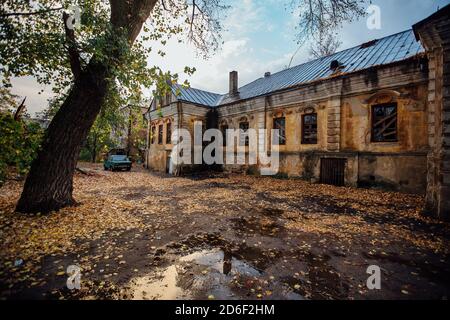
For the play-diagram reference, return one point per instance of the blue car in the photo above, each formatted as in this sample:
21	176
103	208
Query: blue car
117	162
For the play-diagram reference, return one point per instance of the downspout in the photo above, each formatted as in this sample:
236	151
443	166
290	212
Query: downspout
147	145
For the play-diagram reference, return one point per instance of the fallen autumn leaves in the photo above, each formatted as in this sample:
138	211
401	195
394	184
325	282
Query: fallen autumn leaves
122	213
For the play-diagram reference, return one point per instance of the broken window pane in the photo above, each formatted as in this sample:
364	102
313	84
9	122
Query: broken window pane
280	124
309	128
384	123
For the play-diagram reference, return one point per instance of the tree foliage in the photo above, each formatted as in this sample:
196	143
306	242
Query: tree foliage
35	42
19	143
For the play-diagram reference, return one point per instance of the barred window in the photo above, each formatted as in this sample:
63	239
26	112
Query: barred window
244	140
384	123
309	128
168	133
160	134
280	124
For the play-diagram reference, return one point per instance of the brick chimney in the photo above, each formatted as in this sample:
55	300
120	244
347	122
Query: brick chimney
233	83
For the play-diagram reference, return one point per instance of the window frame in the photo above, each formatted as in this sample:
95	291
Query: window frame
160	133
223	129
309	141
280	136
169	134
245	134
374	121
152	134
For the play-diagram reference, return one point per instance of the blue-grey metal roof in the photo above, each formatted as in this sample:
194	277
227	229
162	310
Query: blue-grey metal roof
196	96
387	50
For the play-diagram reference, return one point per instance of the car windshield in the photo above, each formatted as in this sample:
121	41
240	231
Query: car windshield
119	158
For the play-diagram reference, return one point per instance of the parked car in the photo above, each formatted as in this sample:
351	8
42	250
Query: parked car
117	162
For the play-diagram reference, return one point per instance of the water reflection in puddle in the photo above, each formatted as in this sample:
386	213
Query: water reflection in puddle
196	276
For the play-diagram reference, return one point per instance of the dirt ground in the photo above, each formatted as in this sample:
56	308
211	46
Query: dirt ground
142	235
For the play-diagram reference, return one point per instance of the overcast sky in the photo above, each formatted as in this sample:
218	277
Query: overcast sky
259	37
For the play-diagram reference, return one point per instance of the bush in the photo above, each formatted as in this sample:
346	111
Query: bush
19	143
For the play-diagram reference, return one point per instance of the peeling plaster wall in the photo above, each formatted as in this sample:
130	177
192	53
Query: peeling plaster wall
343	106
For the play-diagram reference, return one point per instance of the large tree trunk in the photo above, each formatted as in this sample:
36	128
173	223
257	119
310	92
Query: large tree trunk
49	184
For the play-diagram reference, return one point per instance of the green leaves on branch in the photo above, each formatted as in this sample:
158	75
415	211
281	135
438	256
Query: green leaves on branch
19	143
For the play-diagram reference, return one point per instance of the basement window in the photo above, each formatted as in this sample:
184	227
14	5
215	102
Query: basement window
168	133
160	134
280	124
244	140
309	128
384	123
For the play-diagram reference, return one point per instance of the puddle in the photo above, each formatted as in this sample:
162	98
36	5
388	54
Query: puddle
163	286
204	273
221	261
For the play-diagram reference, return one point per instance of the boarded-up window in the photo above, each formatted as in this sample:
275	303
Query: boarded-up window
169	133
309	128
160	134
152	135
384	122
243	140
280	124
224	129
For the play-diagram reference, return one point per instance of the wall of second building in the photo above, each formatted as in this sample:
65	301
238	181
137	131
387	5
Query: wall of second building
159	150
180	115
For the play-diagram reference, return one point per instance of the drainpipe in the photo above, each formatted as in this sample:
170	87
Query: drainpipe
147	144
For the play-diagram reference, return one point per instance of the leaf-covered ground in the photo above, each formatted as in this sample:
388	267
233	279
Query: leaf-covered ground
149	236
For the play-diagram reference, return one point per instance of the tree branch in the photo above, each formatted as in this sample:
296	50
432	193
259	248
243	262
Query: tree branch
74	56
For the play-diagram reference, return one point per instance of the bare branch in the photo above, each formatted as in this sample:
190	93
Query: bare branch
324	16
324	45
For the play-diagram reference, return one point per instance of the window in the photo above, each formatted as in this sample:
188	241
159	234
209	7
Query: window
384	123
224	129
280	124
152	135
309	128
169	133
168	98
160	134
244	138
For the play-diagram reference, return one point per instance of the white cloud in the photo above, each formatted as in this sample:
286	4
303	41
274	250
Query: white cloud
29	88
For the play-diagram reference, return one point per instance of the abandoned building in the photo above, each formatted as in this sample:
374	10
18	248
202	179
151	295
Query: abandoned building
377	114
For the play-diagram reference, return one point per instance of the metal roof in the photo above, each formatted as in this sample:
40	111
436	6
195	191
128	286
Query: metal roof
196	96
387	50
